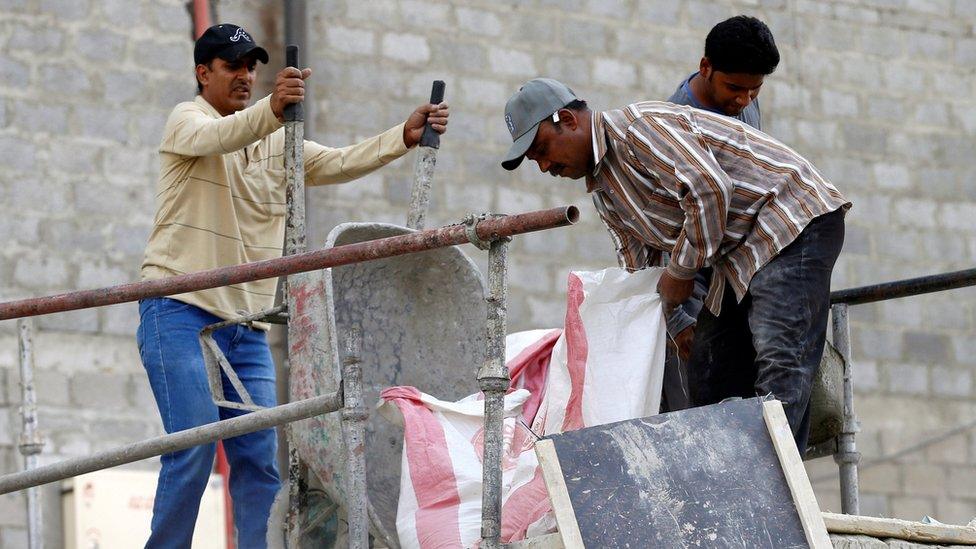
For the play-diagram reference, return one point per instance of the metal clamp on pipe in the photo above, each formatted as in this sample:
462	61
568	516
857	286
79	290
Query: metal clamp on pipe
470	223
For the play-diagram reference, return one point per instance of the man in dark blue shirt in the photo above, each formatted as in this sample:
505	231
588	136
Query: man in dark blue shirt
739	53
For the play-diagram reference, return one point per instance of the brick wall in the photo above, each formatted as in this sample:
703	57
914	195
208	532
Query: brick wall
878	93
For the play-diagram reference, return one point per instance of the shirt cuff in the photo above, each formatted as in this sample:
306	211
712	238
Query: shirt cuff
678	321
393	139
679	272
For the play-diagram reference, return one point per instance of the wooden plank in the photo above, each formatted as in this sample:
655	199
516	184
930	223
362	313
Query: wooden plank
796	475
562	507
900	529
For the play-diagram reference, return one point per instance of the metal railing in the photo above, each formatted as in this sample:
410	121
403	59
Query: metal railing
846	454
486	230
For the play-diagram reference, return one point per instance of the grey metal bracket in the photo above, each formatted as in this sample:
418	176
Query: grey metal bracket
216	363
470	223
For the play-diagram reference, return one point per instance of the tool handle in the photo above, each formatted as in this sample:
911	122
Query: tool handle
430	138
294	111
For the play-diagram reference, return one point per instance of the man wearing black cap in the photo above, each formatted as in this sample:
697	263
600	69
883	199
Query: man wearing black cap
221	201
712	192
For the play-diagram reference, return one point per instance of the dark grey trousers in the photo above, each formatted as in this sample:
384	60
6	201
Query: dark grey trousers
772	342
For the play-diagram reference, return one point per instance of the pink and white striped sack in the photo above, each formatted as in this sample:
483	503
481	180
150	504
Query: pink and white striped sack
606	365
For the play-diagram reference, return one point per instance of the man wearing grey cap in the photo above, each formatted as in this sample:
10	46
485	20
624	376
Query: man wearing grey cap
712	192
221	201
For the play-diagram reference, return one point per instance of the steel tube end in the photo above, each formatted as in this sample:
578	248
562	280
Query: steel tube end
572	214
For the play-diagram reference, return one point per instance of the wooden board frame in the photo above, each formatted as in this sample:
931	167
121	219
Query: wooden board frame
796	475
789	458
900	529
562	507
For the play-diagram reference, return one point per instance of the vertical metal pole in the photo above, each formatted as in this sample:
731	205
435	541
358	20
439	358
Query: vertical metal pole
296	32
847	456
354	418
30	439
493	380
294	168
423	171
296	27
295	243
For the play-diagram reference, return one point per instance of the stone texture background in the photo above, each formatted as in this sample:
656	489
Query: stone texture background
878	93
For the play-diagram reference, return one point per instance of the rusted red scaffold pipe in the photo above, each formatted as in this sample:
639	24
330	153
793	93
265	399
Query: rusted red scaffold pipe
486	229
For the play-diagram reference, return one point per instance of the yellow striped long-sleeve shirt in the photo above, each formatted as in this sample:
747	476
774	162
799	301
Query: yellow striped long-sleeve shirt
709	189
220	199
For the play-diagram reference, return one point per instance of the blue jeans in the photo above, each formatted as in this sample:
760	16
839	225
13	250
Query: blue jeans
772	341
170	351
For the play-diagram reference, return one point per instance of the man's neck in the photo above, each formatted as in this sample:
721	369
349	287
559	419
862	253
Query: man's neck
699	88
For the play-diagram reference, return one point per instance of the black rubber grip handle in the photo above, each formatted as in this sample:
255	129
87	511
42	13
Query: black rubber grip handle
293	112
430	138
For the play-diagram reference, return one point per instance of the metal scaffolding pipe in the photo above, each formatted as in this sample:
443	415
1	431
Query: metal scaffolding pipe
30	439
452	235
905	288
846	456
294	161
493	380
174	442
354	416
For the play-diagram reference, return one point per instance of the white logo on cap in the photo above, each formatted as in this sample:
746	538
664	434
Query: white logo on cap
240	34
511	124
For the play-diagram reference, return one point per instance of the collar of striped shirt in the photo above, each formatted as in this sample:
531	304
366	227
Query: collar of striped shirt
599	138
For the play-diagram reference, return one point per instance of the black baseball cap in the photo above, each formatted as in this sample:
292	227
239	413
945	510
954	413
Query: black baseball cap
228	42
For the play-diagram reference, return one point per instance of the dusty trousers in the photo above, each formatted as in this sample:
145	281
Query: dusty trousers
772	341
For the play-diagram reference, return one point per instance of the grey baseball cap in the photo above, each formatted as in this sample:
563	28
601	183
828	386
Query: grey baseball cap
535	101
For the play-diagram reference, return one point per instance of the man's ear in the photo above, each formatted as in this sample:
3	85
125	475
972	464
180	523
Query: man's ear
203	74
705	68
568	119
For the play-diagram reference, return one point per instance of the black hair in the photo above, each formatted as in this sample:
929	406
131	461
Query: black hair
742	44
576	105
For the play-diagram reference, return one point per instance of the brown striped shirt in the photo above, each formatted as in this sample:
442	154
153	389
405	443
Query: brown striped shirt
709	189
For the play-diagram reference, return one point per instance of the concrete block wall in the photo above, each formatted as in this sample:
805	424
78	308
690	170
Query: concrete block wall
879	94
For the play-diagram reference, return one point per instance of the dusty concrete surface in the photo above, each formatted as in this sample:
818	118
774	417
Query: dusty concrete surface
865	542
422	318
423	323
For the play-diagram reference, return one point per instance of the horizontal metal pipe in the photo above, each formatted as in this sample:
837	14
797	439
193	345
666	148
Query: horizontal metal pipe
905	288
487	229
174	442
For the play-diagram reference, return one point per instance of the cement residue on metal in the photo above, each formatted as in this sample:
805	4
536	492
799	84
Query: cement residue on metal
423	174
422	317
